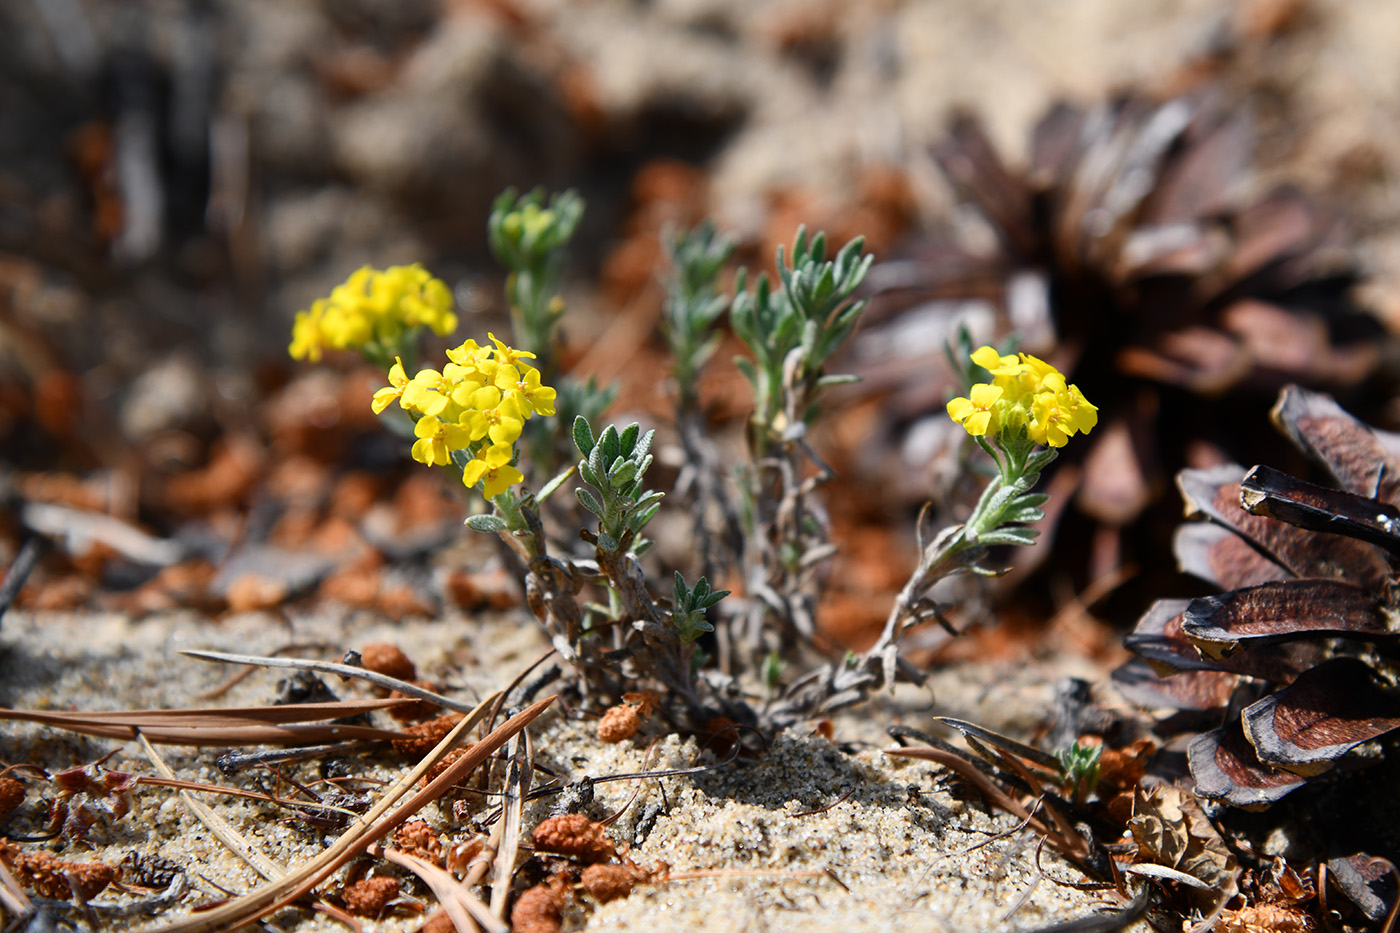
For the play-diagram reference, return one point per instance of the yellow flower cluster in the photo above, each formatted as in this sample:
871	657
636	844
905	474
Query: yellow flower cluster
1025	394
373	307
479	402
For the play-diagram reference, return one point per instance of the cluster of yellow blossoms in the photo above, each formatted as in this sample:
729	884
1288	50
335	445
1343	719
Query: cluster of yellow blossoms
479	403
373	307
1025	394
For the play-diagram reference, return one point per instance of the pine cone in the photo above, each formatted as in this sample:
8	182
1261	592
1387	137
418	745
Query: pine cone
1306	619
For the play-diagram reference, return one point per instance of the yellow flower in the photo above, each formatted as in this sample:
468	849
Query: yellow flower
977	413
423	300
502	423
493	467
398	381
469	354
436	440
307	338
474	396
1059	412
479	403
507	355
1026	395
992	361
427	393
373	306
533	397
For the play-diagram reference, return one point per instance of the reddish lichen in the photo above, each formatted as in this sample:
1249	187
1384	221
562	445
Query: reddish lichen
369	897
541	908
576	836
610	882
386	659
418	839
423	737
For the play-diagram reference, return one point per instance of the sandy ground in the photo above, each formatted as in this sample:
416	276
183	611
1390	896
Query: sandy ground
907	853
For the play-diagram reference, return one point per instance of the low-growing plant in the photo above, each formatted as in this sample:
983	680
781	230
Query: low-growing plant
491	417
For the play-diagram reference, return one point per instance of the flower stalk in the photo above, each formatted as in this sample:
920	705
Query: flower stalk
1020	418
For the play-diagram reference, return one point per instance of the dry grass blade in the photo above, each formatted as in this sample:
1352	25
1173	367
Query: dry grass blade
257	725
372	827
192	718
467	912
1072	847
246	735
1062	825
1005	742
221	828
342	670
519	769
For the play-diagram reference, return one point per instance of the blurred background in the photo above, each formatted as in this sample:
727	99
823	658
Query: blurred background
1182	203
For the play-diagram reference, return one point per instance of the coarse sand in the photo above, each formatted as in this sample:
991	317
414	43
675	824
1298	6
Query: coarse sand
814	834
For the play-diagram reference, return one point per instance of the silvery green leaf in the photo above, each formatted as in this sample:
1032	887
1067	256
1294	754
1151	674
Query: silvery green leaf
1000	499
848	255
713	599
705	350
607	542
1021	536
649	498
548	488
836	380
826	283
622	473
589	501
1022	513
583	435
609	445
691	627
1024	483
627	440
486	523
783	271
640	519
642	449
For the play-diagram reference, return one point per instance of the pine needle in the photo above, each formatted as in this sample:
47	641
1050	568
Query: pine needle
258	725
519	769
369	829
223	831
467	912
341	670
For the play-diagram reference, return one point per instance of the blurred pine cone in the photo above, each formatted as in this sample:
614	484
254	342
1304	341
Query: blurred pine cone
1301	651
1132	254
